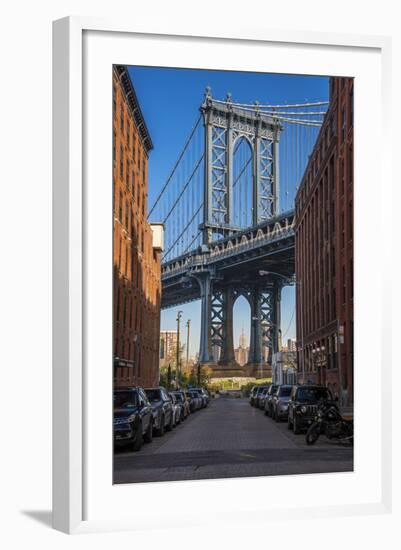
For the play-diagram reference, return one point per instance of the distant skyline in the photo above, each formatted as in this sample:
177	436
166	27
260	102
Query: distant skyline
170	100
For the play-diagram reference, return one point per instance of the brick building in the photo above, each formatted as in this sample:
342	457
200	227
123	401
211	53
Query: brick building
136	254
324	251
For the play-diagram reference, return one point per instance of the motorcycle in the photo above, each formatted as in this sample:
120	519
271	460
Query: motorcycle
329	422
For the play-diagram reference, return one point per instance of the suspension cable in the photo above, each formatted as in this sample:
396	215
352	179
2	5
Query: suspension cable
183	231
183	189
176	164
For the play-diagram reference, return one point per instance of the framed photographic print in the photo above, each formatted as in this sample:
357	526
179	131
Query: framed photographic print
213	196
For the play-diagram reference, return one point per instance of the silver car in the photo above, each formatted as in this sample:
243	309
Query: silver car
279	403
262	398
176	409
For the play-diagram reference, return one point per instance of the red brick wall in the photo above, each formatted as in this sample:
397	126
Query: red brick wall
324	250
137	276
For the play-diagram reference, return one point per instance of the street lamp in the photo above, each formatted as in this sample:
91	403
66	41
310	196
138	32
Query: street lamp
177	380
188	329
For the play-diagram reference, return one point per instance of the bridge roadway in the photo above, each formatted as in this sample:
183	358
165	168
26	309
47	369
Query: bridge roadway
229	439
234	261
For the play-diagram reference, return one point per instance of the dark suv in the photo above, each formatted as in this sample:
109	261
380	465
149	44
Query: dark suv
162	409
132	418
302	406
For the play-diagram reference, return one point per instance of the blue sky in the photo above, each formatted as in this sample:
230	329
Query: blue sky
170	100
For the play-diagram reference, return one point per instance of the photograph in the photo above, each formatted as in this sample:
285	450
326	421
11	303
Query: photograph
232	274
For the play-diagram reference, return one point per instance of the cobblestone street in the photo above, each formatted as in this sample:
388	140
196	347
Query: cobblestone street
229	439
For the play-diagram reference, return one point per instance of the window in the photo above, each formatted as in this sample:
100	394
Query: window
344	285
350	221
342	230
343	123
114	98
350	165
120	208
333	261
342	175
121	162
127	173
351	279
133	183
351	107
118	306
126	215
128	133
122	118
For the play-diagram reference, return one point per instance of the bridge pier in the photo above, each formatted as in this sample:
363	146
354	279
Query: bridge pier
265	329
204	279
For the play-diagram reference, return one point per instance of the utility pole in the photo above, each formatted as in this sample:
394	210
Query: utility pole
177	368
188	329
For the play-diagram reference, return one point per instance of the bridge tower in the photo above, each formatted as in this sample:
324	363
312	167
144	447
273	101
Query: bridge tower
225	124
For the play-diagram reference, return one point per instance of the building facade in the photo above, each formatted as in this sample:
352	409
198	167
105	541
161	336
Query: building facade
168	346
242	351
136	246
324	252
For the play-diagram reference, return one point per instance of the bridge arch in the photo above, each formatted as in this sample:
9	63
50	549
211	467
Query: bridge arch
242	181
242	331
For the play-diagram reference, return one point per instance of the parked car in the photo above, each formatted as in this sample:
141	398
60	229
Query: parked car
162	409
252	395
303	404
279	402
199	393
176	409
268	399
262	398
183	401
259	392
204	394
195	400
132	418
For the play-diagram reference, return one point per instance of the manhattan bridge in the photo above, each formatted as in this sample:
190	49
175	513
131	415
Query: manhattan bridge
228	212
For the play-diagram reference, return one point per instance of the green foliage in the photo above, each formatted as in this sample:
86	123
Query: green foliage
246	388
186	379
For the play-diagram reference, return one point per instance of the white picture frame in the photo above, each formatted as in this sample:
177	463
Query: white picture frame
82	498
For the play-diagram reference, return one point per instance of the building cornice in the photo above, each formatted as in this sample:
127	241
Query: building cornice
129	91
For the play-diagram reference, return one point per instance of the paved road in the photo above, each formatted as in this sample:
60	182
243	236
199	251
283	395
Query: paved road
229	439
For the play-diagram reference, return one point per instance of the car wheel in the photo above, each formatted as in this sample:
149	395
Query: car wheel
138	438
171	424
266	412
295	427
289	424
276	417
160	431
149	433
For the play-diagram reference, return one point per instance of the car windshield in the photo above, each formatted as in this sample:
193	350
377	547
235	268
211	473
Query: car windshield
178	396
153	395
312	394
125	399
272	389
285	391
